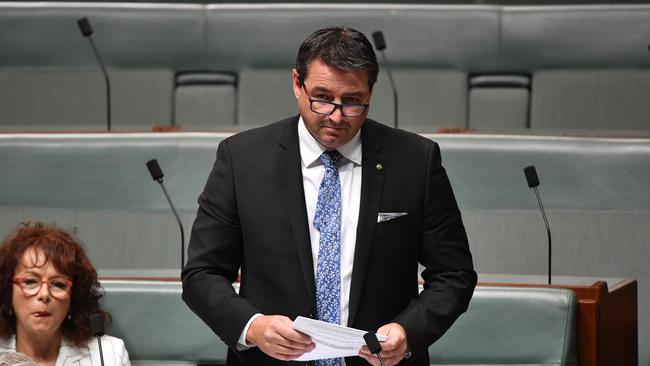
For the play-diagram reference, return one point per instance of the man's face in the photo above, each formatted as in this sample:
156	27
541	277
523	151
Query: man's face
324	83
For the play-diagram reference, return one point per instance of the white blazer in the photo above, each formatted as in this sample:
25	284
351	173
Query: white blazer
114	351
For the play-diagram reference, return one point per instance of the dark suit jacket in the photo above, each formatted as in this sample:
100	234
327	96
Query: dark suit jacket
252	215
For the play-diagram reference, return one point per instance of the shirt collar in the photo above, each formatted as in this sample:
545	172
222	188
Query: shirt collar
311	149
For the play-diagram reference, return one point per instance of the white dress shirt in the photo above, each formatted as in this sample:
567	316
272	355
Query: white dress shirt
313	172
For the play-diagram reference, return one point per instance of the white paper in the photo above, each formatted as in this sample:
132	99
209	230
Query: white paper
332	340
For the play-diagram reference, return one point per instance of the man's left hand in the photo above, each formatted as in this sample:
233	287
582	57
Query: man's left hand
393	349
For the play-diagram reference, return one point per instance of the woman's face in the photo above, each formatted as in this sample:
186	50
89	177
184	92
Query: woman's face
40	307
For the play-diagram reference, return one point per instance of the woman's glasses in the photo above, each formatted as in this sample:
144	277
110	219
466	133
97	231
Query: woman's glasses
59	287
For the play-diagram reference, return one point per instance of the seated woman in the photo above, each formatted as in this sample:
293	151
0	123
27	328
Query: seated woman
54	291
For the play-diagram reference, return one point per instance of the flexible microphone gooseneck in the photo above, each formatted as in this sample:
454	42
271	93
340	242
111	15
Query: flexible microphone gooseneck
87	31
533	182
97	328
157	175
373	345
380	45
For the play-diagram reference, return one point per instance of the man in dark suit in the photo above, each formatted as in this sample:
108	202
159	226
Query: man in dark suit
327	215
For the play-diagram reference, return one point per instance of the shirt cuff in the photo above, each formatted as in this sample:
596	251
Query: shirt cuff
241	344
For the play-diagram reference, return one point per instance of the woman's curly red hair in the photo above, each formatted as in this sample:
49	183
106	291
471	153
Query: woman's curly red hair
68	257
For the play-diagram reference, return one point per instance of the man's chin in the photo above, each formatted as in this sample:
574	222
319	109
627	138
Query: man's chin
332	141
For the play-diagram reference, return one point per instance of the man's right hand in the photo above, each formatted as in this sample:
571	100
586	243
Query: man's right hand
275	336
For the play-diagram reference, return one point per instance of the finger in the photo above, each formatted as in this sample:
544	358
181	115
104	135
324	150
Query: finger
398	351
283	353
396	344
298	340
389	350
284	327
284	357
390	345
289	352
365	353
365	349
281	339
389	361
276	344
295	336
278	334
372	359
298	348
292	345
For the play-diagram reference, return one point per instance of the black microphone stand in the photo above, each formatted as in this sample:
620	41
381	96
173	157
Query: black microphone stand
548	231
157	175
380	45
97	327
533	181
180	225
87	31
392	83
108	85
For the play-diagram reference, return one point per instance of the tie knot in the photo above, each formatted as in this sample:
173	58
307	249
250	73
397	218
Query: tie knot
331	159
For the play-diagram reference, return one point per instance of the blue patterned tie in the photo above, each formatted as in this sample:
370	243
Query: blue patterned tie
327	220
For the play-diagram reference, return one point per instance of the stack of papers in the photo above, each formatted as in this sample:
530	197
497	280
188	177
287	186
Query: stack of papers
332	340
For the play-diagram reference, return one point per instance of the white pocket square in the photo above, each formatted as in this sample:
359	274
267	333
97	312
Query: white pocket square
386	216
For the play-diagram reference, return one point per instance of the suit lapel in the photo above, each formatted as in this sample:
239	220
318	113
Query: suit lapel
372	181
290	177
70	355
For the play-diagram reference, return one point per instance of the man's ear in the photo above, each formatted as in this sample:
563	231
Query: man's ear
297	88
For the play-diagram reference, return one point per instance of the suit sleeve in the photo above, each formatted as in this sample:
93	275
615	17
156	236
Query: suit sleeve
215	256
449	277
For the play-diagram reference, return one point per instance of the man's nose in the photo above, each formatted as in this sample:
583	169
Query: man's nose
337	115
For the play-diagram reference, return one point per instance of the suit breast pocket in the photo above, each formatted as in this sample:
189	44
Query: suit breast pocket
393	221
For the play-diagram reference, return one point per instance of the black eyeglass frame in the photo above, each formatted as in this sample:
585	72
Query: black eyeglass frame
341	106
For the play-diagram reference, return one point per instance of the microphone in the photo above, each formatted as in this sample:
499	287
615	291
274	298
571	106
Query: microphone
87	31
533	182
157	175
97	328
380	45
373	344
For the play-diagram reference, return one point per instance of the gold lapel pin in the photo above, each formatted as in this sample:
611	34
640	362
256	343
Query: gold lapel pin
379	167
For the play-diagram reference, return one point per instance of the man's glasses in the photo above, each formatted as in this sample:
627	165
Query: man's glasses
327	108
59	287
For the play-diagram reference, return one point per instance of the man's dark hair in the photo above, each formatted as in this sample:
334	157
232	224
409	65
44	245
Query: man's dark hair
342	48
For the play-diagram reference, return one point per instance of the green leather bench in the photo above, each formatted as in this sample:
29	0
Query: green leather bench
512	326
596	193
224	66
156	325
503	326
98	186
555	69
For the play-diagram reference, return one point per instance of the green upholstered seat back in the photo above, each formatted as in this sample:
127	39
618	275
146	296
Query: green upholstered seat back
512	326
98	186
503	326
50	80
156	325
587	65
